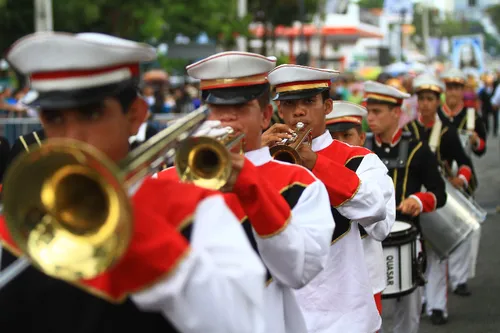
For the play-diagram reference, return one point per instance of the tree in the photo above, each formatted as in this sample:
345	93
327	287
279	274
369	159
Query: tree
272	13
371	4
494	12
139	20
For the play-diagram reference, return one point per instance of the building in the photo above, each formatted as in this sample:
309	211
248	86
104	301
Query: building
471	9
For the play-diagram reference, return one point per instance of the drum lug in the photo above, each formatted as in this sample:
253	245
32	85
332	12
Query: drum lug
421	281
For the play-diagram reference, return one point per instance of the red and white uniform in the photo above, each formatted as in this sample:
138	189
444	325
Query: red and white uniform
188	259
341	299
286	213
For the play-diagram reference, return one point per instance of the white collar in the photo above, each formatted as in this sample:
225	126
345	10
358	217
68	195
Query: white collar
322	141
141	134
259	156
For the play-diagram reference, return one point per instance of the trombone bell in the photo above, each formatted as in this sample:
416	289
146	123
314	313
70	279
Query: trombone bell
206	161
72	218
67	206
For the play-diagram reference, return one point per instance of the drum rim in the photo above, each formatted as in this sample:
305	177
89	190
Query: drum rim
400	294
401	237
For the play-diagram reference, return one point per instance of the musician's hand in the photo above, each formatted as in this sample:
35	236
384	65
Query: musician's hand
410	206
457	182
211	128
275	134
474	139
237	161
308	156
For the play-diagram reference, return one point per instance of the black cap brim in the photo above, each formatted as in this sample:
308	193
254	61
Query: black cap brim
234	95
299	94
341	127
67	99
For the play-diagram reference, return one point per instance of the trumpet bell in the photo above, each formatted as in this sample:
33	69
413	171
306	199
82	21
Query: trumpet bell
203	161
73	218
285	153
286	150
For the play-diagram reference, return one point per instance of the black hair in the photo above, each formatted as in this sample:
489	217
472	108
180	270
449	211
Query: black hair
127	96
325	94
264	99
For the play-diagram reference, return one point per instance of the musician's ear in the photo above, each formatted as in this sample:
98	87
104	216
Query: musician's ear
328	106
280	111
267	113
362	138
137	114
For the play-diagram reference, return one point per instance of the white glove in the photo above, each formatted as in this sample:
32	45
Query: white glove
211	128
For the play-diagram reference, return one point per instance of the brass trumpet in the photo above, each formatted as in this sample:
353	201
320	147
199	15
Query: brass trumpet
205	161
286	150
67	205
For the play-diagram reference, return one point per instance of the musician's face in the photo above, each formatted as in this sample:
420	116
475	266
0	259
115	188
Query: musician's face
382	117
310	111
250	118
103	125
353	136
428	102
454	94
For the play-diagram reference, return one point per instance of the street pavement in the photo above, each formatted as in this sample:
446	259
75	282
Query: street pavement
479	313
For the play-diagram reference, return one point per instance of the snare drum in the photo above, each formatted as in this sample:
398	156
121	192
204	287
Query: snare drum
400	253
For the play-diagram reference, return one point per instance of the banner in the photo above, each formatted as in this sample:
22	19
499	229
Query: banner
467	54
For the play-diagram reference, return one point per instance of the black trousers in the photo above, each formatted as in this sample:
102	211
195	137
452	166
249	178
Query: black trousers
486	118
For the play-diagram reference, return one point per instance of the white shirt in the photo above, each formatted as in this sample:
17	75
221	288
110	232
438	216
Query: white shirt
297	254
372	247
340	299
219	285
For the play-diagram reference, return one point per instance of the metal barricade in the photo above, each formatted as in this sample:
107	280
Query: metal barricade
12	128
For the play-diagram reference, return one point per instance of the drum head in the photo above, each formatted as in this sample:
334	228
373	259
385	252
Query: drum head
401	233
399	226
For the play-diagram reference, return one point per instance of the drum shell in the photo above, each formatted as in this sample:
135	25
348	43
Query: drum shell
447	227
400	253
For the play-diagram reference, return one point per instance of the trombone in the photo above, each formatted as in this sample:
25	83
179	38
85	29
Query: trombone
67	206
286	150
206	161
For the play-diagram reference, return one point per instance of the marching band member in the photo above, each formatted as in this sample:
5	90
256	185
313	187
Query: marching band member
344	124
460	117
445	144
283	207
175	276
411	165
457	114
340	299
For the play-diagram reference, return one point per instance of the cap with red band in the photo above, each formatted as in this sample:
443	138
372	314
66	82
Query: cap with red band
344	116
68	70
454	76
427	82
382	93
297	82
232	77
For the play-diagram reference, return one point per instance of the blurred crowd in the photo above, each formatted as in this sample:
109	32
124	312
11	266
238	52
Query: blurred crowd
171	95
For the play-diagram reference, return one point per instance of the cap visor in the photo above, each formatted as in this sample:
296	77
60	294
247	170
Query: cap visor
341	127
65	99
300	94
234	95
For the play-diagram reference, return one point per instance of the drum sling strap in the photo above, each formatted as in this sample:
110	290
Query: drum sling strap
471	119
434	137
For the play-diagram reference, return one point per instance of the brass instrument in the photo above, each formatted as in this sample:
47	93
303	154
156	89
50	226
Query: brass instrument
286	150
205	161
67	205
